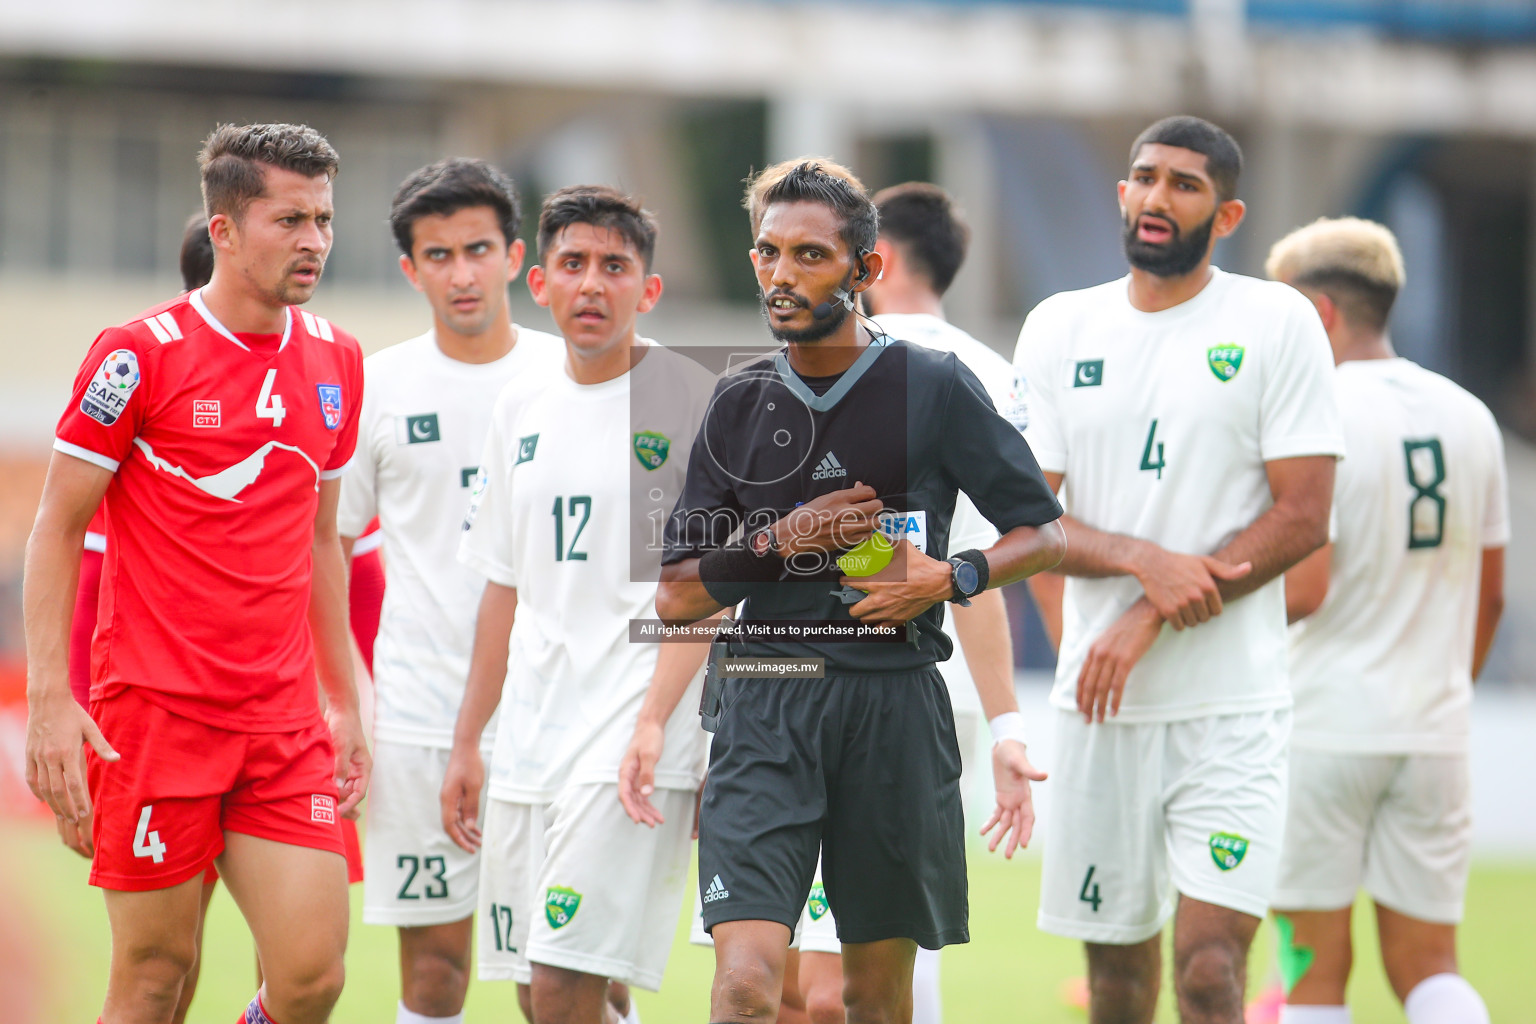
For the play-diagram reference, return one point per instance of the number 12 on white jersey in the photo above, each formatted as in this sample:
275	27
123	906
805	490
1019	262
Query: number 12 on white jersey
268	405
145	842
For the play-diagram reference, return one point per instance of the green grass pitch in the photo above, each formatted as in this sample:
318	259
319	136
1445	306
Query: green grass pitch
1009	972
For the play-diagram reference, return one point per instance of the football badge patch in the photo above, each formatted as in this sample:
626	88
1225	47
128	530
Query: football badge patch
109	390
560	905
330	404
1227	849
816	904
1224	361
651	448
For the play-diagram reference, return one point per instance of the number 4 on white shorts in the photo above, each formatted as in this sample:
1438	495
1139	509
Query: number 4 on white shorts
145	842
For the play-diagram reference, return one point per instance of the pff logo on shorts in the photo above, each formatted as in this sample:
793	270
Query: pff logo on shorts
560	905
1227	849
816	904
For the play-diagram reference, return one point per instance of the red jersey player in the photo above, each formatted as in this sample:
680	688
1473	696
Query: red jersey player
216	426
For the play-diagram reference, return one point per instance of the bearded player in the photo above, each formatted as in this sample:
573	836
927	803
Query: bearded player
1190	415
923	239
216	426
1403	606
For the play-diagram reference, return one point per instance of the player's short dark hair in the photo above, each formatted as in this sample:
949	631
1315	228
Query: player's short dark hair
923	220
448	186
196	253
600	206
233	158
1223	156
816	180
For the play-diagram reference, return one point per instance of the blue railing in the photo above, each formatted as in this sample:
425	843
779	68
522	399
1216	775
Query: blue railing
1490	21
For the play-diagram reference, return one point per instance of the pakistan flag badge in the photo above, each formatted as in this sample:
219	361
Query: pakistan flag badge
560	905
1225	361
1227	849
816	903
651	448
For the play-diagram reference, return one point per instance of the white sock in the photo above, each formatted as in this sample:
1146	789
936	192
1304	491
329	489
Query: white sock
1314	1014
404	1016
927	1002
1445	999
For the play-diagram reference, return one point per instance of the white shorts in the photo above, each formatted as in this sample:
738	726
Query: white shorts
413	874
1400	826
576	884
1141	812
817	930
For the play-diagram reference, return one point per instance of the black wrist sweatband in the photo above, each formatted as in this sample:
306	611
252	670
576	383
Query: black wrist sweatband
728	573
978	559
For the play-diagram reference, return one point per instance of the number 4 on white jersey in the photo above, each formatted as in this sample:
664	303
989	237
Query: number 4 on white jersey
145	842
268	405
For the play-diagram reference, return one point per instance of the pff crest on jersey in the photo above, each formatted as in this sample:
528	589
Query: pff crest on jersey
1225	361
651	448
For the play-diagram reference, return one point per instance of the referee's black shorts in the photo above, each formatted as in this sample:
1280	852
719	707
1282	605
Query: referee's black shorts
863	769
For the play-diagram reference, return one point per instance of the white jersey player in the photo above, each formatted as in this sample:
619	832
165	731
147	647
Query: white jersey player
577	479
1190	416
1403	606
425	414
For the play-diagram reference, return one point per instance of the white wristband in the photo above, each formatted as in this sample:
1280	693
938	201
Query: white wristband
1007	726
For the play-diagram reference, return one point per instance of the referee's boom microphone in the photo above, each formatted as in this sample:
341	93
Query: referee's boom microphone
824	310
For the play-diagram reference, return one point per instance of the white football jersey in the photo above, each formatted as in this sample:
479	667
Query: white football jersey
1385	665
1161	424
578	481
969	528
423	426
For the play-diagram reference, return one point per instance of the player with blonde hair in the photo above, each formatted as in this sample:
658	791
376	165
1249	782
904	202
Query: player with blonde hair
1397	615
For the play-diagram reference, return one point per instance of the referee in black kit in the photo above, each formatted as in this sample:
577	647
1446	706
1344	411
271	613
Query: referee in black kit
842	435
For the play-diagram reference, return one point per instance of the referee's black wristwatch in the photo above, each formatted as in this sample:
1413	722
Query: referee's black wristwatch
968	573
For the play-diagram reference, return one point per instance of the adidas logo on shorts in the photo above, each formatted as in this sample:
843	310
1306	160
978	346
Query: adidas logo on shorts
828	468
716	890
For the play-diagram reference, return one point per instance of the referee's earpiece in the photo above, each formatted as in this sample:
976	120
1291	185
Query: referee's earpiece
841	295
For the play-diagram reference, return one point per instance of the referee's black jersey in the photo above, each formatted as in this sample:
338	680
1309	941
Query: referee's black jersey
911	422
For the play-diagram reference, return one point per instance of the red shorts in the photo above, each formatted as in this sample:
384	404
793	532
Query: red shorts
161	812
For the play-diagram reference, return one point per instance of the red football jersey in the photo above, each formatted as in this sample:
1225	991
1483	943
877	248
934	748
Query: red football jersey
218	444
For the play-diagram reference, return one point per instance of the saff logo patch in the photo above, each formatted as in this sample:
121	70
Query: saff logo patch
526	446
330	404
1228	849
109	390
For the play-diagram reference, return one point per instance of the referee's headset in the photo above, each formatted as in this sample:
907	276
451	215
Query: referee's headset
841	294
